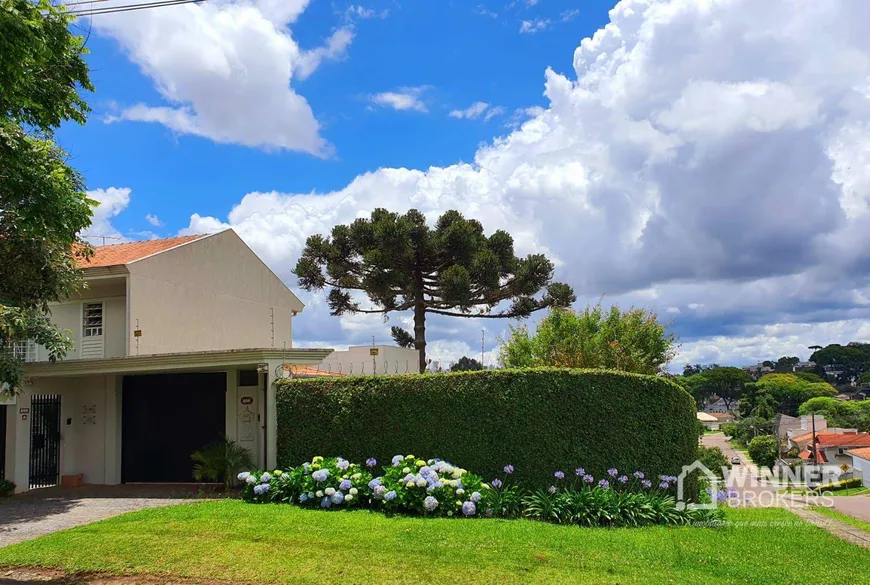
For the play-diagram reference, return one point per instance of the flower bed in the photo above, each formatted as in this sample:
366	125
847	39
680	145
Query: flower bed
437	488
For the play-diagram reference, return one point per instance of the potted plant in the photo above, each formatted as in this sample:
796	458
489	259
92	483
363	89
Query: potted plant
7	488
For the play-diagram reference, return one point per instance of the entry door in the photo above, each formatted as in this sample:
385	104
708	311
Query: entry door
165	418
44	440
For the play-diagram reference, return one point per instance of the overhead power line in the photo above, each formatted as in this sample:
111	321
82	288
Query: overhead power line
125	7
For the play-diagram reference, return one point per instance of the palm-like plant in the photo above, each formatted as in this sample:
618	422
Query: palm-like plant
221	461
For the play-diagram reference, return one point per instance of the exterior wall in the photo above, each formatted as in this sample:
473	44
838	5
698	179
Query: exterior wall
357	360
862	466
210	294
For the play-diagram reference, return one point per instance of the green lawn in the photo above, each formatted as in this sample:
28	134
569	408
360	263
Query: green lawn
279	543
837	515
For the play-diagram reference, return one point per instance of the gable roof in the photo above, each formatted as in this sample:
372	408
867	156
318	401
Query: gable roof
844	440
863	453
120	254
807	454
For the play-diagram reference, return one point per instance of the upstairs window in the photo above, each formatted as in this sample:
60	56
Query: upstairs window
24	350
92	319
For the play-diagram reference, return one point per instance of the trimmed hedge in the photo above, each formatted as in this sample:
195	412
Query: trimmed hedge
538	420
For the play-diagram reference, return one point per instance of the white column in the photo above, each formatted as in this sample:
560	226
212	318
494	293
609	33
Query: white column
113	430
20	471
272	418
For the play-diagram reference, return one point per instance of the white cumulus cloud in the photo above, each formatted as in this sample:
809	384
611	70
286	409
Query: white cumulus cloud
405	98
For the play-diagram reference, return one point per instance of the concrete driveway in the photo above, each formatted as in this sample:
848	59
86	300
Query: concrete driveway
44	511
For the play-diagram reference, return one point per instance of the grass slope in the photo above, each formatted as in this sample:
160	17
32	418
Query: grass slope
279	543
837	515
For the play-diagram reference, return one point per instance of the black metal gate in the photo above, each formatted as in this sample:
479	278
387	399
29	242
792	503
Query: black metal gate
44	440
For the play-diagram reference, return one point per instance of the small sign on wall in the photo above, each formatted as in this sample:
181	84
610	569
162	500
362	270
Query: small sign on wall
246	400
23	411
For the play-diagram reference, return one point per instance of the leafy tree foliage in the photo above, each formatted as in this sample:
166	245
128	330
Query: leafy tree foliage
631	341
764	450
453	269
788	392
713	459
852	360
786	364
725	382
840	413
690	370
401	337
43	206
466	364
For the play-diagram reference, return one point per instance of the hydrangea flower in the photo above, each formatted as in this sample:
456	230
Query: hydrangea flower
552	489
439	484
460	492
588	478
430	503
348	497
310	495
319	493
469	509
337	498
421	482
604	483
390	495
329	491
342	464
475	497
638	474
251	480
612	472
579	472
397	460
496	483
243	476
320	475
376	482
345	485
303	498
646	483
559	475
508	469
325	503
266	477
623	479
379	492
261	489
353	491
406	470
305	466
371	462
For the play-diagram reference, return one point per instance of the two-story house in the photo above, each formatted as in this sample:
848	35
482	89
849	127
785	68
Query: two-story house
176	342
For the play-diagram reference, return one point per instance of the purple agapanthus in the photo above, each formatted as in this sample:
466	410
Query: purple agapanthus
664	485
588	478
371	462
604	483
559	475
638	474
552	489
579	472
469	509
508	469
612	472
345	485
496	483
646	483
623	479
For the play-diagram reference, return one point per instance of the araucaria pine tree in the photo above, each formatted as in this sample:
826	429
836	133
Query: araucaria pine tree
452	269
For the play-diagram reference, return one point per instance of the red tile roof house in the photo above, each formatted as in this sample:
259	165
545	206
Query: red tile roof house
176	341
861	463
834	448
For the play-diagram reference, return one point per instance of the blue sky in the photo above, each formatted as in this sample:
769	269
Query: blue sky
693	158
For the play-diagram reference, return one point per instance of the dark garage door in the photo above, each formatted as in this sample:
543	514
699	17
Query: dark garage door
165	418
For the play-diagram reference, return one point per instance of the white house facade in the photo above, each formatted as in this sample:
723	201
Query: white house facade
176	343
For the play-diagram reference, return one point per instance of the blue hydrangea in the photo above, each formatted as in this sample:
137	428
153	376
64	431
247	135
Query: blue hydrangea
251	480
345	485
371	462
438	485
320	475
390	495
243	475
325	503
342	464
430	503
265	478
375	482
337	498
303	498
261	489
379	492
469	509
475	497
397	460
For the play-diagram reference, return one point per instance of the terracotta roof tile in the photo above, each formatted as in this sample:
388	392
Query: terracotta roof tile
845	440
120	254
863	452
807	455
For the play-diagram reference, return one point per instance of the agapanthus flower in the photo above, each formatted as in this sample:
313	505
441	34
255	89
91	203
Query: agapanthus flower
664	485
430	503
469	509
638	474
337	498
508	469
376	482
604	483
390	495
251	480
345	485
552	489
325	503
371	462
559	475
244	475
646	483
623	479
475	497
397	460
579	472
588	478
496	483
379	491
329	491
612	472
320	475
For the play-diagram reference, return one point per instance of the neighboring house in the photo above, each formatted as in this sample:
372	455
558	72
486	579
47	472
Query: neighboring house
757	370
176	342
804	366
857	395
786	426
708	420
861	463
834	447
372	359
719	406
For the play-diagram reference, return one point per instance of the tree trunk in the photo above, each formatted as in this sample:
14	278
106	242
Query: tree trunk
420	320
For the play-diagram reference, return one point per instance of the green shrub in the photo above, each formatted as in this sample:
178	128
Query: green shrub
839	485
729	429
539	420
713	459
764	450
